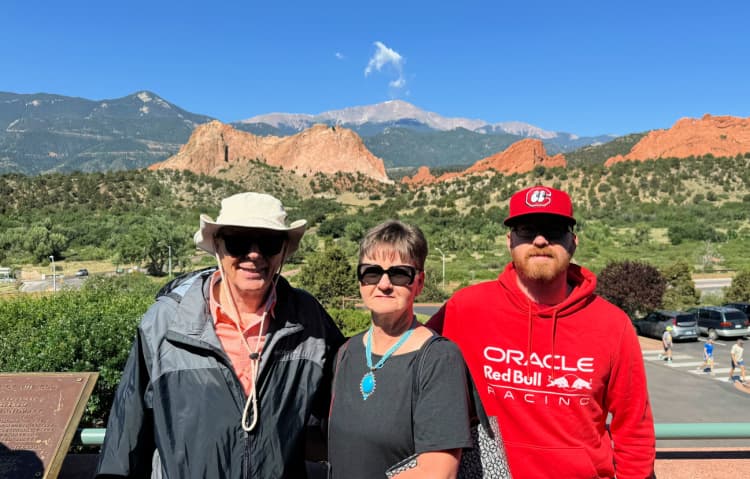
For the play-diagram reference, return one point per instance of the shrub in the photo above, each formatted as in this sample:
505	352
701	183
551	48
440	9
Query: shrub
72	331
695	231
740	287
633	286
350	321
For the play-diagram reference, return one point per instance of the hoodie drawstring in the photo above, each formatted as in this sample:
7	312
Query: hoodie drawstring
554	336
529	343
531	334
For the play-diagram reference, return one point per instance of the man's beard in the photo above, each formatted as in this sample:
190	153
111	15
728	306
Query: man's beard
542	272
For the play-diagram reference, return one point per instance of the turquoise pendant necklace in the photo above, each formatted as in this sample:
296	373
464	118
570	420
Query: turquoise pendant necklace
367	385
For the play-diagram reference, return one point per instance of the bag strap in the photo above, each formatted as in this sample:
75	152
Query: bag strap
421	353
476	409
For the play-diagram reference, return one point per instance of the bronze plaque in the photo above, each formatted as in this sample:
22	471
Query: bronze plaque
39	415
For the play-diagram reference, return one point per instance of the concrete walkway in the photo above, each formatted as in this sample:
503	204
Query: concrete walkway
705	463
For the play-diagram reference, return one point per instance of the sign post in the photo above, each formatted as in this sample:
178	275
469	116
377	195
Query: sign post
39	415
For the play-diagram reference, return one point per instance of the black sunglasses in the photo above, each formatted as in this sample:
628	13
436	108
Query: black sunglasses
552	233
239	244
401	275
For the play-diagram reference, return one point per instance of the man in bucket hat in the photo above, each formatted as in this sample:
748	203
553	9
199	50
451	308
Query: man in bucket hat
229	364
550	358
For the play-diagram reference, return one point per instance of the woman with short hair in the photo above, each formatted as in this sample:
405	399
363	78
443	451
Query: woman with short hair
400	392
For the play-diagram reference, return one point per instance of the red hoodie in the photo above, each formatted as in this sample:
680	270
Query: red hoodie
552	375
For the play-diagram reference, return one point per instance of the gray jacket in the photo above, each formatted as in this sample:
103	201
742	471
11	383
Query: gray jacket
179	403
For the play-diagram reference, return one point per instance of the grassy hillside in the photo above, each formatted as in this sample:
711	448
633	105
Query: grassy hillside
696	210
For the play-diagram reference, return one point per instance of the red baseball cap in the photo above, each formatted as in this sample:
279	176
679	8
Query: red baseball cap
540	200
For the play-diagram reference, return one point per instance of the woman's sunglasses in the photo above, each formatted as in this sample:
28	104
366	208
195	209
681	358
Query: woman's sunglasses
402	275
240	244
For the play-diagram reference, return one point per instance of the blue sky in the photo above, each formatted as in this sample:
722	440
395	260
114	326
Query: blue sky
581	67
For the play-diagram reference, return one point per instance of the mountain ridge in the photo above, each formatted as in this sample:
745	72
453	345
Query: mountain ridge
47	132
392	111
44	132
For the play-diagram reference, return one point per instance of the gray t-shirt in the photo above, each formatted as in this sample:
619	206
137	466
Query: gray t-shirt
366	437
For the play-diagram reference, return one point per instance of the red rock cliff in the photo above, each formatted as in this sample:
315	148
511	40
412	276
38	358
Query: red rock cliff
214	146
421	177
520	157
715	135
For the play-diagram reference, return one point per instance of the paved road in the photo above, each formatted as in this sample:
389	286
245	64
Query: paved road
712	285
73	282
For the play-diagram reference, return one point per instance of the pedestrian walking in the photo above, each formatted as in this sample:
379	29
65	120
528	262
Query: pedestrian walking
708	357
666	341
735	357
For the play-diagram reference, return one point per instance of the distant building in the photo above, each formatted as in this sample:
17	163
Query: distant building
6	274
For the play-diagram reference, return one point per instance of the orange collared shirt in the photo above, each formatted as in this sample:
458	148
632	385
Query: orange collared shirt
233	341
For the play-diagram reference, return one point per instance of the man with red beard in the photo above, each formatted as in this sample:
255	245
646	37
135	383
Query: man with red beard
551	359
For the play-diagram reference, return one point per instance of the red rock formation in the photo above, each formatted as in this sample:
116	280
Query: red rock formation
719	136
215	146
520	157
421	177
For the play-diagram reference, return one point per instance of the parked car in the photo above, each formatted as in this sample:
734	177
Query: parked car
82	272
715	321
684	324
744	307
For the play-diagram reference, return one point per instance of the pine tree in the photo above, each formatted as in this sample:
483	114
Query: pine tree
681	293
328	276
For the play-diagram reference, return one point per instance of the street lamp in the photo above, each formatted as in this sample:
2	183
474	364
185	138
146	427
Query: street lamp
443	256
54	275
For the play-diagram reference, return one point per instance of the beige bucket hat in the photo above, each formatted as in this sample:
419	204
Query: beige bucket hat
252	211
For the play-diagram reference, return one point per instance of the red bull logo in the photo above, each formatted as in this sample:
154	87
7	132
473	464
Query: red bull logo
569	382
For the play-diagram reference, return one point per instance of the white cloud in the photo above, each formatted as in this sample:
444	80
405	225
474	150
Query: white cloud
340	56
383	58
397	83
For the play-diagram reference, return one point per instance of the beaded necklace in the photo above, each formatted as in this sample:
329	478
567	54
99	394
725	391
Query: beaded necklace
367	384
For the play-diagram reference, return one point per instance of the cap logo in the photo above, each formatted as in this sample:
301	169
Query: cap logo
538	197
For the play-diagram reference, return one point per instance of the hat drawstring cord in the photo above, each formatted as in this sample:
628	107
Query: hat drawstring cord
252	399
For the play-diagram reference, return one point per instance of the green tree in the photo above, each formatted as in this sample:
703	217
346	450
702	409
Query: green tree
432	291
739	290
633	286
151	242
680	292
355	231
40	242
350	321
328	276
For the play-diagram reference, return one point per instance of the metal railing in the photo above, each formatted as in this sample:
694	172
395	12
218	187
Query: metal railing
708	430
